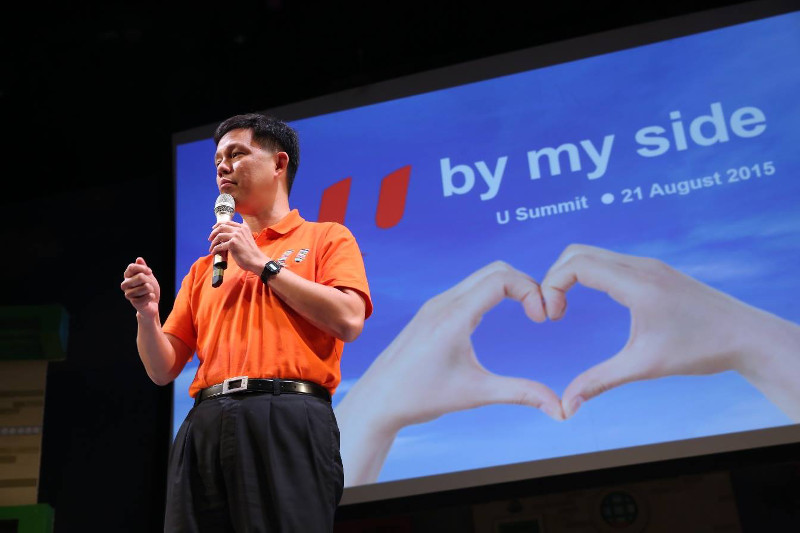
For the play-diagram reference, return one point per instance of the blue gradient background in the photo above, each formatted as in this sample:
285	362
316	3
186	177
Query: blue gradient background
740	238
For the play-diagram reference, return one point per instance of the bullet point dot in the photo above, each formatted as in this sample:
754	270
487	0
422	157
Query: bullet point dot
607	198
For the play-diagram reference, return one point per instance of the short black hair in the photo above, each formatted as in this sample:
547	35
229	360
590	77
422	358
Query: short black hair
271	133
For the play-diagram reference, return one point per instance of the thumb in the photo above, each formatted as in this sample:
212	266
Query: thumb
594	381
140	261
503	389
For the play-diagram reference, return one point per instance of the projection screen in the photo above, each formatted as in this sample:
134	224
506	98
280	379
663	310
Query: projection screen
666	152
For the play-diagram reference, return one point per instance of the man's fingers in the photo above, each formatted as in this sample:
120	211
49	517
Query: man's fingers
138	267
218	230
228	223
519	391
139	291
135	279
598	379
224	227
141	300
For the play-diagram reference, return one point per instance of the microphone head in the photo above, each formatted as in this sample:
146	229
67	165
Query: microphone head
225	204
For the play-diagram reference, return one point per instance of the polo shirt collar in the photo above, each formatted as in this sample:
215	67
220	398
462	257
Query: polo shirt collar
291	221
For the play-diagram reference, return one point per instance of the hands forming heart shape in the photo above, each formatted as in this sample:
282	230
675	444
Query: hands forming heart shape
679	326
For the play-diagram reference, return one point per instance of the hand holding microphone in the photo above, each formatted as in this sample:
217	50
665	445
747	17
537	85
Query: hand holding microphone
224	208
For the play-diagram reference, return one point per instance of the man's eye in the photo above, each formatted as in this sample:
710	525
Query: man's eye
235	154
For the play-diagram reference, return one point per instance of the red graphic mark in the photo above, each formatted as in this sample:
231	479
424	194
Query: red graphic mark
392	198
333	205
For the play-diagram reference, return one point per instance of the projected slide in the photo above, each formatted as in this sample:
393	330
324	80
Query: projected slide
657	191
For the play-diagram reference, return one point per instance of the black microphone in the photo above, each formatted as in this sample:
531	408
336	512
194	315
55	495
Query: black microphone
224	208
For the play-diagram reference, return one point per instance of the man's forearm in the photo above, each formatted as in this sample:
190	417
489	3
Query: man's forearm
155	350
338	313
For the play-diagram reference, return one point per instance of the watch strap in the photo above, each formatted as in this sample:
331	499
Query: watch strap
271	268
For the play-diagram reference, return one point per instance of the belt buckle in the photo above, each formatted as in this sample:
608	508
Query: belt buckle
226	385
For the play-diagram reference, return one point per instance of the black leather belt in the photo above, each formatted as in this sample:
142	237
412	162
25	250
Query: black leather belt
243	384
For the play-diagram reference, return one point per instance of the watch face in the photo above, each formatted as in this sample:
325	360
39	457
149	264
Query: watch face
270	269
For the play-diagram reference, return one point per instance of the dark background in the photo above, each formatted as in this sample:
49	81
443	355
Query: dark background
90	95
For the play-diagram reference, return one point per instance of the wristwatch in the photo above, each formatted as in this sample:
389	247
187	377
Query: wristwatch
270	270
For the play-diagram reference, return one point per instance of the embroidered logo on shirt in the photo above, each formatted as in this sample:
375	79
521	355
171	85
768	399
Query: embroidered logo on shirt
301	255
284	256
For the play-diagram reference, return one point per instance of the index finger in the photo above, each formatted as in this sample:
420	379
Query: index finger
596	268
223	227
487	287
228	223
136	268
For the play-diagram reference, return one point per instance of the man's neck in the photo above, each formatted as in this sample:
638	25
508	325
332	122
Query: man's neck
257	222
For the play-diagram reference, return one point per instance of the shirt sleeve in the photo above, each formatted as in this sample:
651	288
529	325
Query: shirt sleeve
180	321
341	264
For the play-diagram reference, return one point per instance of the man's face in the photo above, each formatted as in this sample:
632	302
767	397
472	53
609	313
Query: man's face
247	171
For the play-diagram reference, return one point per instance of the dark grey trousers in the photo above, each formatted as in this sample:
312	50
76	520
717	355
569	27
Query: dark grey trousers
255	462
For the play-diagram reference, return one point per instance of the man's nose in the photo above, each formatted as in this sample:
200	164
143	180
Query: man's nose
224	167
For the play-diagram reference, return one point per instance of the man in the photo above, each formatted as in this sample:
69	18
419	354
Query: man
260	449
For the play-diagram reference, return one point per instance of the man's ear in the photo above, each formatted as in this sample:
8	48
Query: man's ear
281	161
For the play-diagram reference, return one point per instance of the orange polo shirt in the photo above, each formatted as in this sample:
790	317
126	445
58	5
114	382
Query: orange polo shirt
242	328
